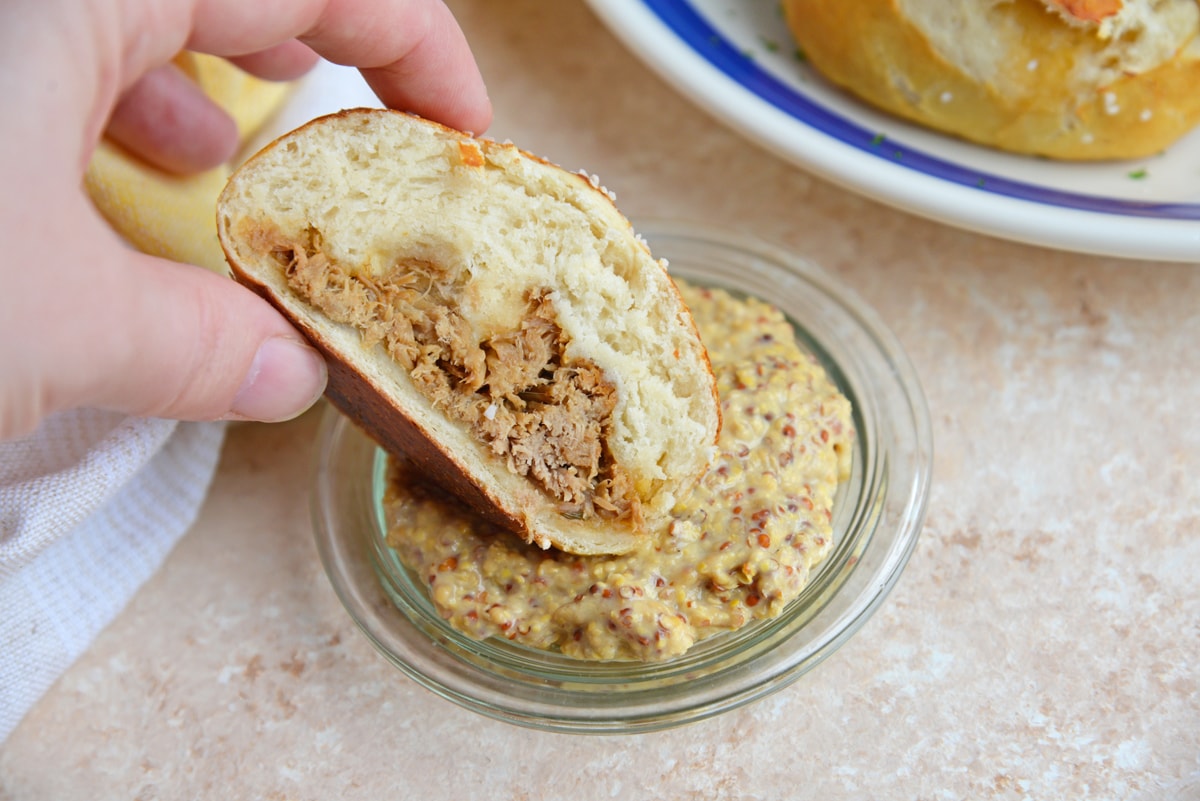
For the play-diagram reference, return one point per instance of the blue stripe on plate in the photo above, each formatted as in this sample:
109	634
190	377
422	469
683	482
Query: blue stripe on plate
709	43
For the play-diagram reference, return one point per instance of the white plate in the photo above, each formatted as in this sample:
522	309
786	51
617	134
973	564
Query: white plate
737	60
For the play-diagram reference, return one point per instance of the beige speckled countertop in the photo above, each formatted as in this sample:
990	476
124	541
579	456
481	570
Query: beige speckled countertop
1043	643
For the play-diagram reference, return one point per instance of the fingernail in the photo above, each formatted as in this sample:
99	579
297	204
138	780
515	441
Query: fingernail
285	378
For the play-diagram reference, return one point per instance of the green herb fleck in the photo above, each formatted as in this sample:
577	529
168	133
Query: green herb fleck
800	55
1138	174
877	140
768	44
981	183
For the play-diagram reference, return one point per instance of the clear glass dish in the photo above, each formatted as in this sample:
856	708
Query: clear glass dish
877	518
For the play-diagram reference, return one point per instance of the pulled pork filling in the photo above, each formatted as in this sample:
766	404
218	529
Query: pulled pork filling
548	417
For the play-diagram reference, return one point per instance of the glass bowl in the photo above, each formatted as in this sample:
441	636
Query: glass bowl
877	517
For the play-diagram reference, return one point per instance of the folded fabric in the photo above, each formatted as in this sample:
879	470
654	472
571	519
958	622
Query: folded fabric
90	505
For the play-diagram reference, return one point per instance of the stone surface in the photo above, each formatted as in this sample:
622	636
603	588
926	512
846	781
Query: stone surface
1043	643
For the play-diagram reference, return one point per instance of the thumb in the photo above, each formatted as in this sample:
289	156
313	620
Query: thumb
172	340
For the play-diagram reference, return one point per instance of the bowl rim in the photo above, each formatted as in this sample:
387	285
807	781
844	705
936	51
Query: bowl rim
877	530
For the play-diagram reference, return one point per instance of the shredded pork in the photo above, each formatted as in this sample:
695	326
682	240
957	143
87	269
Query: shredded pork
547	417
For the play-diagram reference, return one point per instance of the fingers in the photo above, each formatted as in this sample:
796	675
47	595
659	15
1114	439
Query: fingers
155	338
114	328
427	81
284	62
168	121
412	52
192	345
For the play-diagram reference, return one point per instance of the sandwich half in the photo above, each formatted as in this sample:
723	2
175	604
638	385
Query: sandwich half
486	315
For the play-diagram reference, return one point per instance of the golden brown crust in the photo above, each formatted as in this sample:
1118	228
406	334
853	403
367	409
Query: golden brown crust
871	49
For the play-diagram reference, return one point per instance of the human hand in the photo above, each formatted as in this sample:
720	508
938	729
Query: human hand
85	320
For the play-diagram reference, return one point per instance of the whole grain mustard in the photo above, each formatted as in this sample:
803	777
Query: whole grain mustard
738	548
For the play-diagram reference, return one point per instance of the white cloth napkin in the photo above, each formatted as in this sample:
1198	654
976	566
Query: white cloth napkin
90	505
